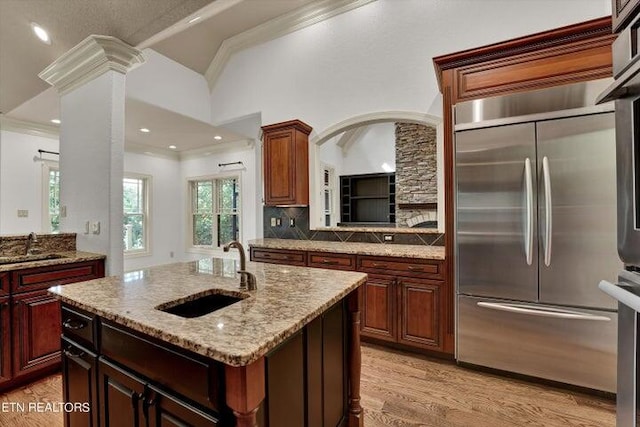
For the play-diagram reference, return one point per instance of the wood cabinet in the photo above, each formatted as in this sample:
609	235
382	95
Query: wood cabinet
79	368
122	397
404	301
286	163
30	319
165	410
5	340
36	332
622	12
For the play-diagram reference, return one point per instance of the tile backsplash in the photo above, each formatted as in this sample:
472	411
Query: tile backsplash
300	230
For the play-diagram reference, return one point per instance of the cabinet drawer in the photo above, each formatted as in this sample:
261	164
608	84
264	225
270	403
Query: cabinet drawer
191	376
32	279
334	261
401	267
78	326
279	256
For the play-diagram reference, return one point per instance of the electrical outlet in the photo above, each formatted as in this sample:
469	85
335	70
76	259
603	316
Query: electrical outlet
388	237
273	221
23	213
87	227
63	211
95	227
292	222
171	254
278	222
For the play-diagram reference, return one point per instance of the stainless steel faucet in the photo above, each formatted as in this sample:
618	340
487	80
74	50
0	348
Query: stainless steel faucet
33	238
247	279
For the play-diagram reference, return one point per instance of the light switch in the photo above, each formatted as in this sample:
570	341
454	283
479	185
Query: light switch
63	211
23	213
292	222
95	227
87	226
388	237
273	221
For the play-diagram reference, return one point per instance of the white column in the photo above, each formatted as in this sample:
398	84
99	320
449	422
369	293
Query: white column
91	81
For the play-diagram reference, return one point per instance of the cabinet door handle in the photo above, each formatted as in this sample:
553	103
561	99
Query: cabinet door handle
69	352
330	262
147	402
378	265
414	268
74	324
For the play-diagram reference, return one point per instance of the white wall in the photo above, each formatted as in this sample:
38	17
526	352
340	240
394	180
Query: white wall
251	222
21	180
376	57
163	82
376	146
165	211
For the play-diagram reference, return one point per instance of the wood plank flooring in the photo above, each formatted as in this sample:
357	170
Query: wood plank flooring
404	390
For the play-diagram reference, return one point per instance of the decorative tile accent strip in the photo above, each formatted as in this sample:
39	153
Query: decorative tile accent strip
47	243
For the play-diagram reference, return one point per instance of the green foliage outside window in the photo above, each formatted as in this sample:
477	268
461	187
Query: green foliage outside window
219	199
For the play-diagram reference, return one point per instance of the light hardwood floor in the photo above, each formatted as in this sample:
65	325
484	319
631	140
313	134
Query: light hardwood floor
403	390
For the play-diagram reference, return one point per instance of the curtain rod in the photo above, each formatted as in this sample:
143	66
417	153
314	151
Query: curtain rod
48	152
227	164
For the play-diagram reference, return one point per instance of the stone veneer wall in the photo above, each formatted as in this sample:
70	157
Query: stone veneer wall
416	172
47	243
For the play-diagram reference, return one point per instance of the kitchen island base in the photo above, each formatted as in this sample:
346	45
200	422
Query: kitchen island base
131	379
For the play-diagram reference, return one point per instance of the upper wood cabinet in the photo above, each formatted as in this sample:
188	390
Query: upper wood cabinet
622	12
286	163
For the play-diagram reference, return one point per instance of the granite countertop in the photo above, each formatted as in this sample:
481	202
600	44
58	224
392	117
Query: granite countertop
286	300
376	249
67	257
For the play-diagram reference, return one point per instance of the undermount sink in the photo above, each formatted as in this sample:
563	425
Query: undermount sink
196	306
28	258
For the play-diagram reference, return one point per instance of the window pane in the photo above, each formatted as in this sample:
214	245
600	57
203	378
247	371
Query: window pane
54	199
133	232
202	230
203	196
132	195
228	195
228	228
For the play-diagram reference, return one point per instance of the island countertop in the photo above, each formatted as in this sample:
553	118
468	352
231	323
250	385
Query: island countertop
374	249
286	300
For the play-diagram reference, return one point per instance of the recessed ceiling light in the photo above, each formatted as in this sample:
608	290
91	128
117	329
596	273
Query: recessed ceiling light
41	33
144	130
56	121
173	147
194	19
217	137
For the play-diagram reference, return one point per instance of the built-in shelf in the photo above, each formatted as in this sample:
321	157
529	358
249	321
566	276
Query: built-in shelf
368	198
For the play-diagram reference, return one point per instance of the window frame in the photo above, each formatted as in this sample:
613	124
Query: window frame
334	196
213	248
47	167
146	215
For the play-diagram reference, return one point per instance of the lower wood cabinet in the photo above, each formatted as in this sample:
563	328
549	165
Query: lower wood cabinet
379	307
79	368
5	340
165	410
36	332
420	304
122	398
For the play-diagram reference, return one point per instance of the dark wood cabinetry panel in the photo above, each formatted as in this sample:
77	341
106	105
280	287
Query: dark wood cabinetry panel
44	277
279	256
332	261
122	397
623	12
4	284
420	317
36	332
78	326
5	340
79	370
379	307
401	266
165	410
286	163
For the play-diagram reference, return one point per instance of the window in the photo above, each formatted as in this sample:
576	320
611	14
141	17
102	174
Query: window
135	190
327	194
50	197
215	211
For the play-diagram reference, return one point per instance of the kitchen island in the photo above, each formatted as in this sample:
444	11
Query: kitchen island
141	349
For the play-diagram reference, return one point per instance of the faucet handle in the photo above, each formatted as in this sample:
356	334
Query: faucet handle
247	280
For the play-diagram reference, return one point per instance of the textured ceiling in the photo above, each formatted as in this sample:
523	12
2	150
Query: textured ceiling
23	56
196	46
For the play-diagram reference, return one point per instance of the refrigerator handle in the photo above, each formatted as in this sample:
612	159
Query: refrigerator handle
514	308
547	211
528	240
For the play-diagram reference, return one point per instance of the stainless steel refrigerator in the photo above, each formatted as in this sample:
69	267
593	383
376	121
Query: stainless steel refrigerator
535	233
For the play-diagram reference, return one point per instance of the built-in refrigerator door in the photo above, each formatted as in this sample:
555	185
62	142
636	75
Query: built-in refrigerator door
577	210
496	212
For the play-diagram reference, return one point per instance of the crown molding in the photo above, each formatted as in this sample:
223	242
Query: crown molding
28	127
278	27
225	147
89	59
